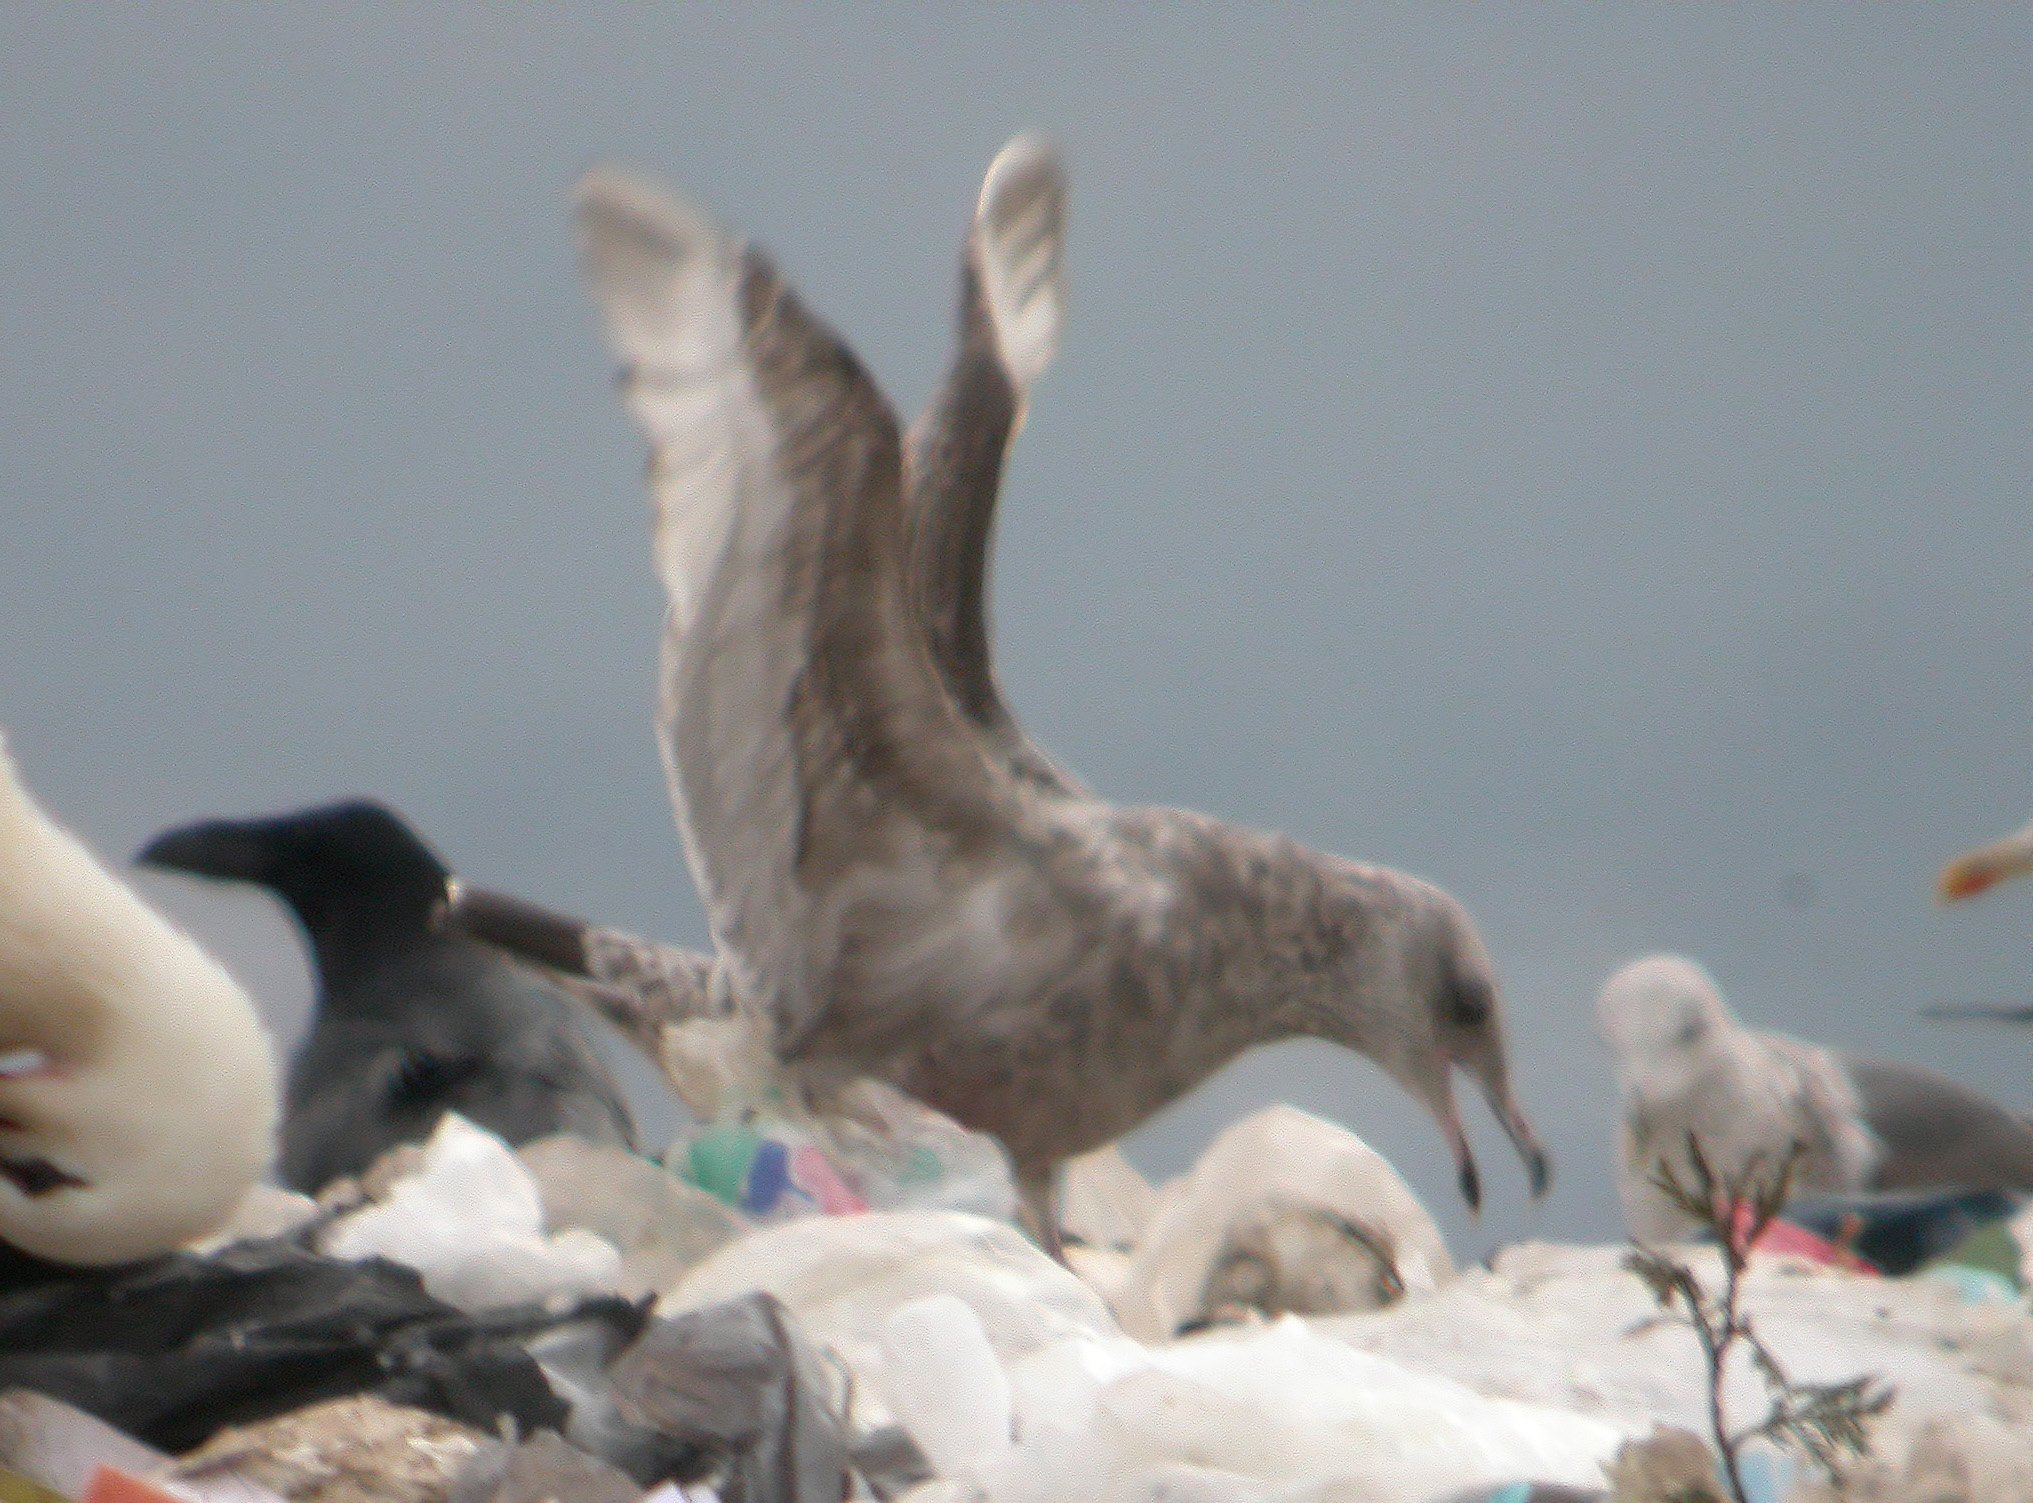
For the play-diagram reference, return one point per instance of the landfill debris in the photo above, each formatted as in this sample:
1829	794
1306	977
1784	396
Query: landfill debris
55	1447
267	1211
1570	1328
660	1224
1104	1202
1284	1212
843	1276
1670	1465
742	1382
1282	1409
352	1450
576	1358
946	1387
175	1349
1899	1234
766	1170
1967	1458
470	1220
542	1469
1286	1257
940	1357
1783	1238
873	1149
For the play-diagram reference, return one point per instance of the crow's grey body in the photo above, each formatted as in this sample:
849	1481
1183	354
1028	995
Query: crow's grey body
412	1019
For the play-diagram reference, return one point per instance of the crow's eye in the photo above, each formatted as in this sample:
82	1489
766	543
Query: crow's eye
1470	1005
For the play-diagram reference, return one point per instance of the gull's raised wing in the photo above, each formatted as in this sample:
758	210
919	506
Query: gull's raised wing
820	776
1012	308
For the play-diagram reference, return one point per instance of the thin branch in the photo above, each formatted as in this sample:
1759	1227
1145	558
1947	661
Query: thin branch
1825	1421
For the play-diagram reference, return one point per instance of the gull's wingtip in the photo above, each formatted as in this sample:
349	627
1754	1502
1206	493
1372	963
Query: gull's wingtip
621	200
1027	163
1020	232
1964	877
649	257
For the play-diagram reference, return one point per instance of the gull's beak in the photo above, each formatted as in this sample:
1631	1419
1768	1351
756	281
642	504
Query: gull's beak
1984	868
1503	1104
1439	1097
1538	1163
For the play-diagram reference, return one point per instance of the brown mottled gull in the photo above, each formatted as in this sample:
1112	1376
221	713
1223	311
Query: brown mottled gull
884	889
1012	309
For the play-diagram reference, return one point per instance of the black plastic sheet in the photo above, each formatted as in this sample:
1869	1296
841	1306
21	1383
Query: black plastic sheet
176	1348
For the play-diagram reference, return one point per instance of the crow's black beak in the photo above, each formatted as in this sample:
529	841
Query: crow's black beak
221	848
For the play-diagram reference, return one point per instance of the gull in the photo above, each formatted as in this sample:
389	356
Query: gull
887	892
1685	1064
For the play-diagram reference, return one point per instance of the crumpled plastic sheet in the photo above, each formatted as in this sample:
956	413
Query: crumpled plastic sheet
1567	1326
741	1380
543	1469
470	1220
1284	1212
742	1383
174	1349
843	1276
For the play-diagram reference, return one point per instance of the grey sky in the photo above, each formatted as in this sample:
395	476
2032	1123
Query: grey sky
1579	456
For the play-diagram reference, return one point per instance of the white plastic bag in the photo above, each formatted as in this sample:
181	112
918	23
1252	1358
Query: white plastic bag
470	1221
1294	1210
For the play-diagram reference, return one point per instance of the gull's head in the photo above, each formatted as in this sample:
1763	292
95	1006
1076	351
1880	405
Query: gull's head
1425	1004
1985	867
1660	1016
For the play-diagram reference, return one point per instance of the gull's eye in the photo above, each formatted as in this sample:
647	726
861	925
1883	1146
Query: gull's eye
1470	1005
1690	1032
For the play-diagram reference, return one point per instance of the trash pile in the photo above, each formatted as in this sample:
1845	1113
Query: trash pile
475	1323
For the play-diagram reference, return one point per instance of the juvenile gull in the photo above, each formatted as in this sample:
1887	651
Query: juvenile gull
137	1085
887	894
412	1019
1685	1064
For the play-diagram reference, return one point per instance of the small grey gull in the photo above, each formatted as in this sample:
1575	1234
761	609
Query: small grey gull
1685	1064
886	894
413	1018
137	1085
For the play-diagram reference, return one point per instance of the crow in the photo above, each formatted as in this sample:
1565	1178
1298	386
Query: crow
413	1019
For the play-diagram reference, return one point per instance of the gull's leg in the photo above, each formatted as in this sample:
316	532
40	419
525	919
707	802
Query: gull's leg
1038	1197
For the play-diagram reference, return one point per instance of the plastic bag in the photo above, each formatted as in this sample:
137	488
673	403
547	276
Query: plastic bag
875	1150
842	1277
1283	1213
469	1219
